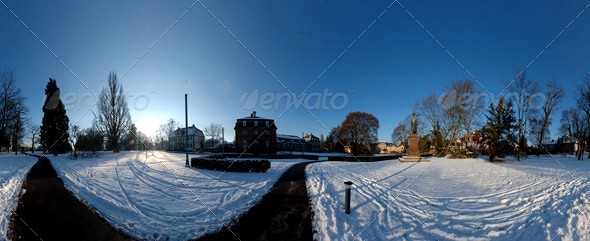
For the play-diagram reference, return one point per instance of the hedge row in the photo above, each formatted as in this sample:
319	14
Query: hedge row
231	165
266	156
363	158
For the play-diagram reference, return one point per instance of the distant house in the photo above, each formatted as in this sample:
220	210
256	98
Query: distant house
389	148
550	146
176	141
255	134
290	143
567	144
471	140
347	149
312	143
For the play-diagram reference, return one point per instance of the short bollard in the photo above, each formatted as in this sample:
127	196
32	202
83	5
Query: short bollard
347	197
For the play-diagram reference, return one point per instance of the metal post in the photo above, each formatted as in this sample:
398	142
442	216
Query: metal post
187	164
222	141
16	136
347	197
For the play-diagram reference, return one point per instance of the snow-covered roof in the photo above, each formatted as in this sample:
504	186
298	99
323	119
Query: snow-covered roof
253	116
288	137
192	130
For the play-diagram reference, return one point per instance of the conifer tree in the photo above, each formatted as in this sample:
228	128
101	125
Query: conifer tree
497	132
55	123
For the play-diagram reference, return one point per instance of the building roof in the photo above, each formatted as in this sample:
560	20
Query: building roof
282	137
192	130
313	137
253	116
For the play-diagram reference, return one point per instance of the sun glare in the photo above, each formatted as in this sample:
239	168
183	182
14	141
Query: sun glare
148	126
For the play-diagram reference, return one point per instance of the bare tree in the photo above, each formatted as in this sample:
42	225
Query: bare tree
164	131
429	109
573	122
12	110
523	91
460	106
213	130
113	112
553	95
34	131
333	142
573	125
74	134
400	135
583	103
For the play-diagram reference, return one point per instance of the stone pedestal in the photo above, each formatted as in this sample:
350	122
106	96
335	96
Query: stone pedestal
413	150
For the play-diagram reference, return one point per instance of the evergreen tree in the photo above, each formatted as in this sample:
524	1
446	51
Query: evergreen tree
90	140
55	123
496	133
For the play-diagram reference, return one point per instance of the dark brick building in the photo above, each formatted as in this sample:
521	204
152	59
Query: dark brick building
255	134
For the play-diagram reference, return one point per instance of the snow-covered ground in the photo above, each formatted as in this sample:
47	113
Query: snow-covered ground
146	198
469	199
13	171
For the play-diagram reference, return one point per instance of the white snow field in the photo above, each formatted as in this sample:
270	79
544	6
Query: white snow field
468	199
13	171
158	196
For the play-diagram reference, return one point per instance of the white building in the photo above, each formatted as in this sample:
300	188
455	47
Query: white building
176	141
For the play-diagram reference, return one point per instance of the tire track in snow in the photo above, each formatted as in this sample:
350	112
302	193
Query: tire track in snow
129	201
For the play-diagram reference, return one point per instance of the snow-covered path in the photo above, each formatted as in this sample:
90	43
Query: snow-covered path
159	196
13	170
469	199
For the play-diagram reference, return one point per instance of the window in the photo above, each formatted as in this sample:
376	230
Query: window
256	133
267	143
244	123
266	123
244	144
255	123
244	133
267	133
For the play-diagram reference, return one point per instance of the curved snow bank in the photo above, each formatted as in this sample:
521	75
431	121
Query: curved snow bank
13	171
159	196
470	199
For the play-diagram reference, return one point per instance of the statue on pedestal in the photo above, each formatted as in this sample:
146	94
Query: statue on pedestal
413	149
414	123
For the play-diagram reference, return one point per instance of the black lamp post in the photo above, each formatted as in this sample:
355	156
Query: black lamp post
187	164
347	197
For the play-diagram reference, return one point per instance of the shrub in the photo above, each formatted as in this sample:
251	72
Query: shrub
462	154
363	158
83	155
237	165
266	156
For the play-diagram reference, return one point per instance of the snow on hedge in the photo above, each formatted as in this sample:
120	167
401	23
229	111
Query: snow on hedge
13	171
469	199
158	196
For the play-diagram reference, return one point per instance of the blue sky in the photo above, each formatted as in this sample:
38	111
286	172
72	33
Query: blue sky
391	65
